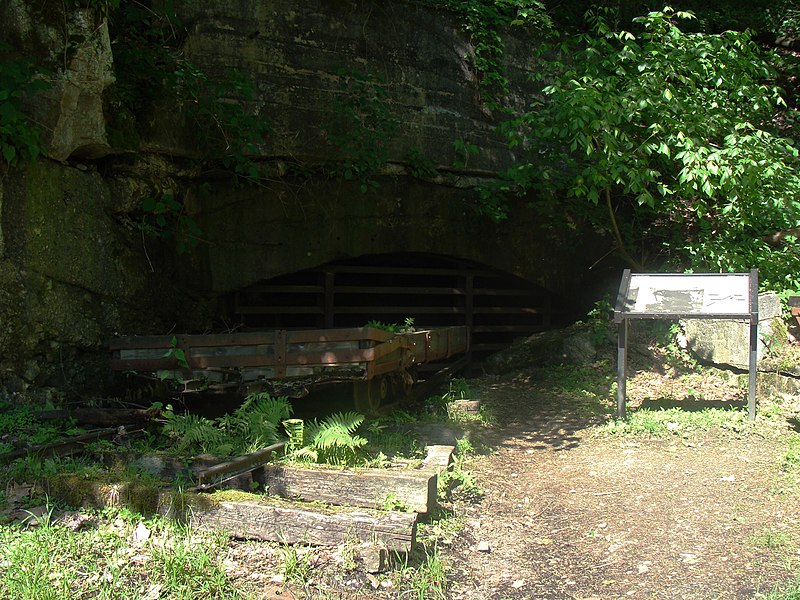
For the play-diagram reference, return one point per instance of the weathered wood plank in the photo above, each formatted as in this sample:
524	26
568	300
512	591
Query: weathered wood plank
438	458
289	523
373	488
246	516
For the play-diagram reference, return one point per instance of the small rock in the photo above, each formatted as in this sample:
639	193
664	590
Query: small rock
373	557
518	584
483	547
141	534
76	521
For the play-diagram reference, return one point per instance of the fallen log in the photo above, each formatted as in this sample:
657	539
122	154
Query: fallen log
368	488
290	523
112	417
65	446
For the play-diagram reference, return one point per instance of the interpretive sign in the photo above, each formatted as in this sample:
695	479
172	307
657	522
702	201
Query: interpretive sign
680	296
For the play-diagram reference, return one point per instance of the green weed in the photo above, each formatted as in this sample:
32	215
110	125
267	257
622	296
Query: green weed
425	580
297	566
457	482
771	538
54	562
674	421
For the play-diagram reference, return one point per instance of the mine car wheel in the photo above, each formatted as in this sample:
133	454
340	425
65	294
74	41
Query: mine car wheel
370	395
402	384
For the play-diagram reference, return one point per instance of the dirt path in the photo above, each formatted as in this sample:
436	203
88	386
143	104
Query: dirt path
570	514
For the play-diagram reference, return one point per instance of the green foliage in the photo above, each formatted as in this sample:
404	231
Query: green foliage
791	460
225	115
195	432
297	567
464	150
20	138
19	426
152	73
386	443
457	481
421	166
601	321
50	561
670	133
295	429
458	389
145	43
362	126
177	353
675	421
255	423
252	426
407	326
428	580
770	538
392	503
166	218
333	441
485	21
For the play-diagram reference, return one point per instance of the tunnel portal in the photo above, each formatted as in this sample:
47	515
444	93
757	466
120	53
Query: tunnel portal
431	290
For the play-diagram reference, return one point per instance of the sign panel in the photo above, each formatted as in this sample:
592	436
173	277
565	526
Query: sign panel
692	296
700	295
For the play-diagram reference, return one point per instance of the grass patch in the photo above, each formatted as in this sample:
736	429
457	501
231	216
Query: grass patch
771	538
676	421
106	560
424	576
790	592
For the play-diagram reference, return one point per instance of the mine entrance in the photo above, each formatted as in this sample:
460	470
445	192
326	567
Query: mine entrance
432	290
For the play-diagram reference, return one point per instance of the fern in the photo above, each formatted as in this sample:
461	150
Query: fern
333	440
250	427
193	431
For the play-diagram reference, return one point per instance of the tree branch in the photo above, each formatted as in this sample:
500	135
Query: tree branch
618	236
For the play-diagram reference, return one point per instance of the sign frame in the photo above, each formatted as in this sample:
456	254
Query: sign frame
626	310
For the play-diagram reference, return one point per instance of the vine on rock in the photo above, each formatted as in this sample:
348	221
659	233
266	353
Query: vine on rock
485	21
361	127
20	137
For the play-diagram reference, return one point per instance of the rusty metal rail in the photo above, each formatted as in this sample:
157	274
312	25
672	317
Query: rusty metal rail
213	476
794	306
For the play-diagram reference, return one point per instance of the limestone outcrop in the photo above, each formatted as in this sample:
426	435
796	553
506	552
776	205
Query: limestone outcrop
76	48
87	251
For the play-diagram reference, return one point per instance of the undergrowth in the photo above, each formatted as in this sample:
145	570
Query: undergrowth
676	421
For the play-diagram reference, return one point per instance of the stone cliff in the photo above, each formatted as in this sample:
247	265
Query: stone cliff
372	134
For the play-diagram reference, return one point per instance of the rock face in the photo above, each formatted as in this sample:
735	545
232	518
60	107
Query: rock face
78	48
339	84
727	342
70	276
308	58
575	345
